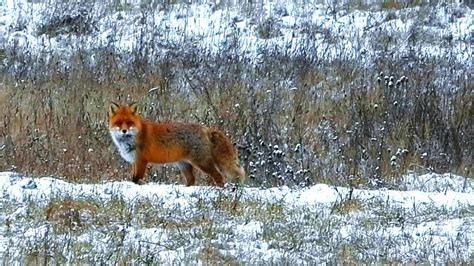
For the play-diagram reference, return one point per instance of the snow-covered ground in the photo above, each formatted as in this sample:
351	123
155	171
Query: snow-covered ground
430	219
424	218
311	29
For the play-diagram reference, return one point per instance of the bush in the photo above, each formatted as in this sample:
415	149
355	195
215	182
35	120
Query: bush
71	19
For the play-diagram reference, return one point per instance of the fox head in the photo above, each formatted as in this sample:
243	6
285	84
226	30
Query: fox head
124	125
124	121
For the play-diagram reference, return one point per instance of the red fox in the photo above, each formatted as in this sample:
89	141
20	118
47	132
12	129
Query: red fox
189	146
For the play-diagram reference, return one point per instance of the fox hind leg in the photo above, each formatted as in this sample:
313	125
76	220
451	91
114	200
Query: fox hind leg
187	171
217	178
232	170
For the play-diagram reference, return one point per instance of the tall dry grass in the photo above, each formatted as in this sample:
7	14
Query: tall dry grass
294	119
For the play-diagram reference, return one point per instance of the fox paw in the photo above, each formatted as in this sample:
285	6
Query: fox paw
139	182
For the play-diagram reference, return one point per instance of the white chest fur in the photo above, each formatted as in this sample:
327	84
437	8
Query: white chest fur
125	143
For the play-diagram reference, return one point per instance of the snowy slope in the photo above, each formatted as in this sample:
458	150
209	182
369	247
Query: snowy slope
311	29
429	218
431	221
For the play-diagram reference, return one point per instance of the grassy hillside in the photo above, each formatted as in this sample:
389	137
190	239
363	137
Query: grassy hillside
49	221
339	93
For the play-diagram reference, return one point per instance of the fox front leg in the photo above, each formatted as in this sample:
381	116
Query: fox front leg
138	171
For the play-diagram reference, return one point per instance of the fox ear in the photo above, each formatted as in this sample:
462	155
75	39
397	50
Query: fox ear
133	107
113	108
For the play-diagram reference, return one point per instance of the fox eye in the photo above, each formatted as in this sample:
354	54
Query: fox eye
130	124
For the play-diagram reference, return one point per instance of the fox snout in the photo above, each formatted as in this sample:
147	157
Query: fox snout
123	132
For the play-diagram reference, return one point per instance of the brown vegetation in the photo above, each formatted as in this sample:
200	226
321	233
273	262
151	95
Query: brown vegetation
295	120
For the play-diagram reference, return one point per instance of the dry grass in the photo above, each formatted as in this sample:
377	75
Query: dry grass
59	127
69	213
295	120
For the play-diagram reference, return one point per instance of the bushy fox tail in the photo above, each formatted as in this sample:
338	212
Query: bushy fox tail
225	155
